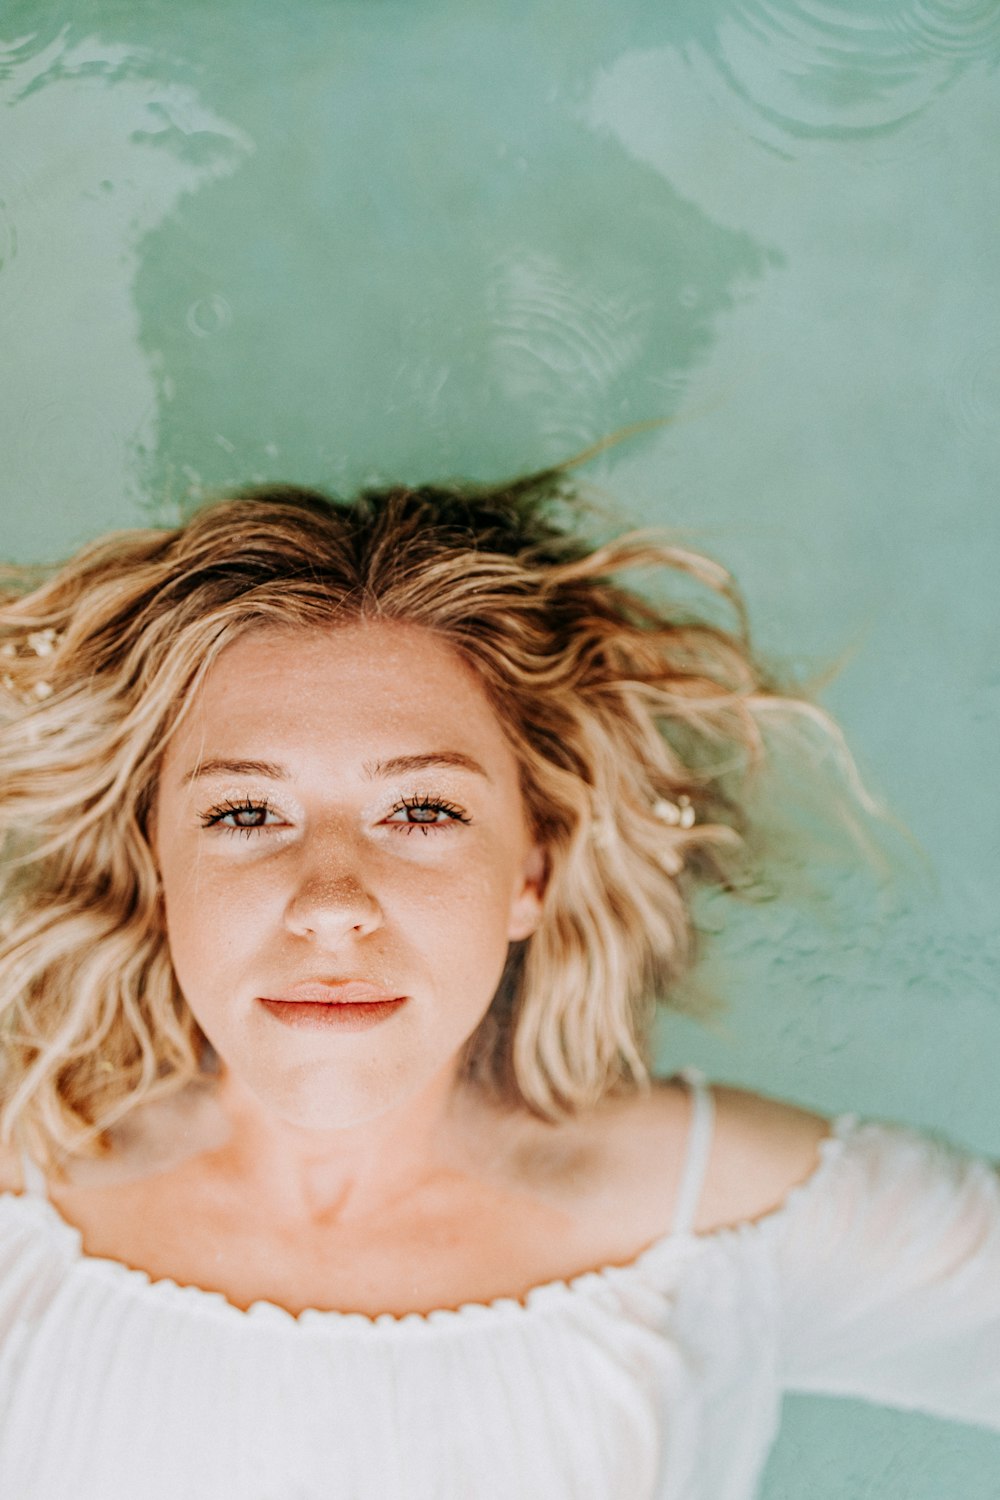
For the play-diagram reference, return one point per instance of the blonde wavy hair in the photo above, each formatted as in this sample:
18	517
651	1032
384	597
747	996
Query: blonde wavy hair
635	727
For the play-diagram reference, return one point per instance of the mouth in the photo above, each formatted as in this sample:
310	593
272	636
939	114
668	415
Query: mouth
351	1007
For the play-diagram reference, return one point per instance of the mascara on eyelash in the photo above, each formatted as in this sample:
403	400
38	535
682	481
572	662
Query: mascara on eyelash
212	817
437	804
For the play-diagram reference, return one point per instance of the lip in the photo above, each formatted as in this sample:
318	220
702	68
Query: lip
326	1015
335	992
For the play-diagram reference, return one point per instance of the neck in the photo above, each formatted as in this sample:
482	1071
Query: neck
358	1171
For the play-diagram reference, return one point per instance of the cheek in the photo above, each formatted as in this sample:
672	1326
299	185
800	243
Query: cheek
459	936
212	919
469	902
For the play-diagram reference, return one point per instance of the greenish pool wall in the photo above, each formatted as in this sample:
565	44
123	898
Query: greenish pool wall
333	243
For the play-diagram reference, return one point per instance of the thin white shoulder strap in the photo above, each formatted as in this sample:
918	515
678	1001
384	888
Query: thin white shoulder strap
34	1178
699	1146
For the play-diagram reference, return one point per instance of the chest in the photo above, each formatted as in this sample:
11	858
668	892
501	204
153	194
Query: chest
491	1239
476	1255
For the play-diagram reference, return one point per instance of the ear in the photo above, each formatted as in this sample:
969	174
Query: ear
526	908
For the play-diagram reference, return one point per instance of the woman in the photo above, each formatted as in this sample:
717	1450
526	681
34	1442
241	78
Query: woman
348	845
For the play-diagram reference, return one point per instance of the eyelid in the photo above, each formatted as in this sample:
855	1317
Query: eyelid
455	815
212	817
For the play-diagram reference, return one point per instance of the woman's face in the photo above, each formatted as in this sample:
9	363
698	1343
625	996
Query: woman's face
342	805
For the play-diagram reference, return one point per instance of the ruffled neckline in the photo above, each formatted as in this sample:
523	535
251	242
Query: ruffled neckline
598	1284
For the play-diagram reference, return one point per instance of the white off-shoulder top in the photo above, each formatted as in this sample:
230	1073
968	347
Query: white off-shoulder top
878	1277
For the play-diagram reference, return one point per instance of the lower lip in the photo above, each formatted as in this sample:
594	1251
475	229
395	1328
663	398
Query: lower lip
312	1016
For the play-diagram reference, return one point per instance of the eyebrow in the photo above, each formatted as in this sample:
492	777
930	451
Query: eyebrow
374	770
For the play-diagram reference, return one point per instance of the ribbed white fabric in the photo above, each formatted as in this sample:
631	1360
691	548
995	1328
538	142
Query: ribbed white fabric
878	1277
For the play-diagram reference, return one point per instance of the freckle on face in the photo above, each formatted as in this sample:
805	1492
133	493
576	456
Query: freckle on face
339	889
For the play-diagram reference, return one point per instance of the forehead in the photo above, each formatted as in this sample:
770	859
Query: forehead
346	685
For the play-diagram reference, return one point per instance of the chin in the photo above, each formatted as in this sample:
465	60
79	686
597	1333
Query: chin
331	1105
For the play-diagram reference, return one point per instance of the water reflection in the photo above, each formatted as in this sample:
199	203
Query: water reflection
444	276
448	263
97	149
792	71
15	49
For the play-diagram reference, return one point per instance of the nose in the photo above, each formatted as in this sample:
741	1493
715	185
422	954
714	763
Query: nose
331	899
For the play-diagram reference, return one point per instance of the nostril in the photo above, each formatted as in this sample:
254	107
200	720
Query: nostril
326	907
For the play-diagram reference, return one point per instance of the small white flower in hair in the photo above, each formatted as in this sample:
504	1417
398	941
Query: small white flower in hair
35	694
43	642
679	814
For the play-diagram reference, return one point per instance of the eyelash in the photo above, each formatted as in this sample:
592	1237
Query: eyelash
213	818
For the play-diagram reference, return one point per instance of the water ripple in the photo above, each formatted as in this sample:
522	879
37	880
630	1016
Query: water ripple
208	315
841	70
963	29
562	344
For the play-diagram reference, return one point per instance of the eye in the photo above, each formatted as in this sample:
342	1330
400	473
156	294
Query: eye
424	813
250	817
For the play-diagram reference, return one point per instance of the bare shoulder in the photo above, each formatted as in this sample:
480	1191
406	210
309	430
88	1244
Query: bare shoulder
761	1148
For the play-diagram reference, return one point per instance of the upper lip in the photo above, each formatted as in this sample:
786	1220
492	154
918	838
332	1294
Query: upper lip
335	992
